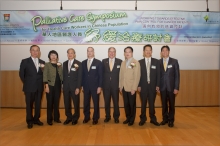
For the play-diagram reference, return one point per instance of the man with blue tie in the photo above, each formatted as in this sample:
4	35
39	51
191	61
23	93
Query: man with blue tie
169	85
92	83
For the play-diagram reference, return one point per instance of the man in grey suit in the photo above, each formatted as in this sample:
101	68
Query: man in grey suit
169	85
149	85
72	80
111	68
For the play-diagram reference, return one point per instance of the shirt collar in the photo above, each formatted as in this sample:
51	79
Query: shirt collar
167	59
113	59
147	58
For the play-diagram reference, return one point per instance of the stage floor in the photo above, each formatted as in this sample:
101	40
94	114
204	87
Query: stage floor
193	126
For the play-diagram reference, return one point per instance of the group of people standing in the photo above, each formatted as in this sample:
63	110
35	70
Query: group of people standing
111	75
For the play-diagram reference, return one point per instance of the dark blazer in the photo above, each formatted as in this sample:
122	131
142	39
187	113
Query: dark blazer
154	74
32	80
74	77
170	78
111	77
92	79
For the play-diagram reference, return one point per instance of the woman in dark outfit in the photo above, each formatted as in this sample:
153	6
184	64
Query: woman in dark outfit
52	78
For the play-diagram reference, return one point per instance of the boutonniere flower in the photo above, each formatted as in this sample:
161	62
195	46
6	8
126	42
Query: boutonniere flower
59	64
41	65
76	66
133	64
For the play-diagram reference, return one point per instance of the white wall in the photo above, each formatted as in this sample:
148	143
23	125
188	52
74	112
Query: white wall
190	57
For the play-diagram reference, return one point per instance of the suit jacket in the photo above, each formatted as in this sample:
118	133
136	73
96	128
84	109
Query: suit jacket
129	77
92	79
72	78
49	74
170	78
111	78
32	80
154	74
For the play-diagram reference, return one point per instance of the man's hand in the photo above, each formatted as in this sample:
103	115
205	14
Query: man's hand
139	89
99	90
132	92
158	89
77	91
175	91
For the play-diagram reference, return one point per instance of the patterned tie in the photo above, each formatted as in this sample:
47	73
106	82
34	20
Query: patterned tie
35	63
148	70
111	64
88	64
69	66
165	64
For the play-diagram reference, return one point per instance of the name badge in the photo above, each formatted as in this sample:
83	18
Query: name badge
118	66
73	69
153	67
93	67
169	66
129	66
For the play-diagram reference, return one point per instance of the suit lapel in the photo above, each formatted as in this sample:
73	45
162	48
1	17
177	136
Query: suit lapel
107	64
32	62
93	62
169	62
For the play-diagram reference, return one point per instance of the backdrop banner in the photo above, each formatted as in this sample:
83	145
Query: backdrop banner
109	27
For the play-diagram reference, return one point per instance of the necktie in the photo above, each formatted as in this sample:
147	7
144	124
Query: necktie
148	70
69	65
35	63
111	64
88	64
165	64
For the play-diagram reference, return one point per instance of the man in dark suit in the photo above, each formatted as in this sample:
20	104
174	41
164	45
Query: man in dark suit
92	83
72	80
31	75
148	85
111	68
169	85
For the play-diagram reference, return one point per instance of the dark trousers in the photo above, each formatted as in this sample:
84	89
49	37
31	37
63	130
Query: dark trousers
148	94
53	100
108	93
87	99
68	94
168	98
129	105
33	98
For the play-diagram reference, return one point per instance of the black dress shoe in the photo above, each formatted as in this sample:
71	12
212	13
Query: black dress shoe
67	122
170	124
30	125
116	121
126	122
107	120
74	122
86	120
57	121
141	123
50	123
95	122
163	122
155	123
130	123
38	123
